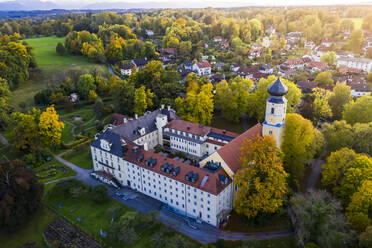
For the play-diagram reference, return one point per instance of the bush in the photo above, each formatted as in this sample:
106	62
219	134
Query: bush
99	193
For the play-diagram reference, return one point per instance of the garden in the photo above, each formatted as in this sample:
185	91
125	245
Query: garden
53	170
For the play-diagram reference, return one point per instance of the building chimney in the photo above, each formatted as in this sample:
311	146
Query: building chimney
169	108
136	116
125	120
162	106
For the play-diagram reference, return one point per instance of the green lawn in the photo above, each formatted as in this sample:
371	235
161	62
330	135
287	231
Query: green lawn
221	123
46	55
82	158
67	136
60	173
31	231
357	22
94	216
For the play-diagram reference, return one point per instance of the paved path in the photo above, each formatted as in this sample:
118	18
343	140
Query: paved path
316	169
71	124
4	140
145	204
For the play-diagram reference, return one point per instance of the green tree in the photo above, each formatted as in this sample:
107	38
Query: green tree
359	210
85	84
362	138
257	99
337	135
298	146
356	41
124	95
324	78
341	96
20	195
99	107
198	105
322	110
359	111
232	97
329	58
60	49
319	220
261	187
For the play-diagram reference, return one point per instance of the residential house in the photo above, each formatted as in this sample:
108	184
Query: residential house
327	42
309	45
217	39
360	89
267	69
220	66
126	69
140	62
234	67
314	66
357	63
202	68
321	50
266	42
149	32
294	64
255	51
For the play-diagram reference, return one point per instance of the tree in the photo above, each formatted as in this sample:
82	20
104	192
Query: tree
356	41
232	98
92	96
322	110
261	180
20	195
369	78
358	111
298	146
4	105
124	95
341	96
25	134
358	211
50	127
362	138
198	105
324	78
257	99
319	220
329	57
337	135
365	238
60	49
99	107
85	84
142	100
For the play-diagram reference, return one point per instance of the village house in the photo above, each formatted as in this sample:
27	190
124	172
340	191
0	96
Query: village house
149	32
321	50
265	42
188	65
126	69
267	69
360	89
255	52
314	66
357	63
327	42
309	45
234	67
202	68
140	62
294	64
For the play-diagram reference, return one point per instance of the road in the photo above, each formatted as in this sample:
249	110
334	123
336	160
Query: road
3	140
204	234
316	169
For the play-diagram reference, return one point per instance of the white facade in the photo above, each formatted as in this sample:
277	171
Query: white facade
126	72
357	63
201	71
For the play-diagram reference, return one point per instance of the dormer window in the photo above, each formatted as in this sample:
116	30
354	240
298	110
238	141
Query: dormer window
105	145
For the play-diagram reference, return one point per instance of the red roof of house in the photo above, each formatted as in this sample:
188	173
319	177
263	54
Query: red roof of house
320	65
213	185
230	153
201	130
203	64
118	119
297	61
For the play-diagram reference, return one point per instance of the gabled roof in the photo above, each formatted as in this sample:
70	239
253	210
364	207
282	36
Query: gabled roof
203	64
111	137
230	153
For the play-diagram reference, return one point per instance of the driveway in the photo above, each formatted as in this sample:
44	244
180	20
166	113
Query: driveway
204	234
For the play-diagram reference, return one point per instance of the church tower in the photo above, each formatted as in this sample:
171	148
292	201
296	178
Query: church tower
276	107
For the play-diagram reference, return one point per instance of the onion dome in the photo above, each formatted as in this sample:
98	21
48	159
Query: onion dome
277	88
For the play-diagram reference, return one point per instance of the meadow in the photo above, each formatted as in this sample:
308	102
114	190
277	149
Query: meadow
52	69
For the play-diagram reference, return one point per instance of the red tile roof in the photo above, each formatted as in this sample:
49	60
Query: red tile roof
118	119
201	130
213	185
203	64
230	153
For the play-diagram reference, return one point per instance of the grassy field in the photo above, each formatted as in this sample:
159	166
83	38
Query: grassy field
46	55
30	232
53	69
357	22
81	158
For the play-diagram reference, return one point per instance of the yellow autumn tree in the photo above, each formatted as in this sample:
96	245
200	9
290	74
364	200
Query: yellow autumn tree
50	127
261	180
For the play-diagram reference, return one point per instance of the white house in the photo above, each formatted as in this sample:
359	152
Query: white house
360	89
202	68
149	32
126	69
357	63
